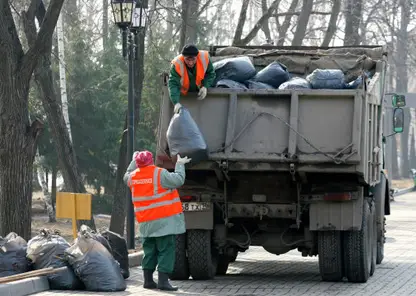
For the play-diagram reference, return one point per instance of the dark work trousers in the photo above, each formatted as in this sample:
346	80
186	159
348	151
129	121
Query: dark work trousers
160	252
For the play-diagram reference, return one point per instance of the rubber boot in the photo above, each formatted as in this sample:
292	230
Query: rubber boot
149	283
164	284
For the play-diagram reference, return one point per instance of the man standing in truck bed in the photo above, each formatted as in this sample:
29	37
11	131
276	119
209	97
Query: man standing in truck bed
191	71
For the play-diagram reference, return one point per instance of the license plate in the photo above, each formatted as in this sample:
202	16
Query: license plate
196	206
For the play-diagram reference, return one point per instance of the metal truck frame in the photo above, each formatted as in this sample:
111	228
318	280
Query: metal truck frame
287	169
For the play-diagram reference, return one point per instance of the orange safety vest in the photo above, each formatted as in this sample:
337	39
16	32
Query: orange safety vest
151	201
202	61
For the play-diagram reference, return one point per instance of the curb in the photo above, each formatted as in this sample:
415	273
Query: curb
403	191
40	284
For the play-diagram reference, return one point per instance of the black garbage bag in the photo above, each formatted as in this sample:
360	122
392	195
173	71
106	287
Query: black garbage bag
295	83
327	79
237	69
13	255
251	84
185	138
227	83
274	74
48	250
119	250
94	265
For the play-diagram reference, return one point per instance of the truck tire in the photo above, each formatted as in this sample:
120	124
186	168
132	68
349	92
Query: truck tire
234	257
380	243
201	258
330	255
357	250
222	265
373	238
181	270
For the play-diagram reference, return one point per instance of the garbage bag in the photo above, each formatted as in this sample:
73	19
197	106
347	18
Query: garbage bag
274	74
295	83
237	69
13	255
94	265
48	250
119	250
355	83
327	79
185	138
251	84
227	83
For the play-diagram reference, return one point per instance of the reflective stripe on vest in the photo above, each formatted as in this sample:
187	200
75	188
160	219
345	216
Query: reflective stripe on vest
201	64
151	201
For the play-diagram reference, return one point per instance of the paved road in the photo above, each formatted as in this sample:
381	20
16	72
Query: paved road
257	272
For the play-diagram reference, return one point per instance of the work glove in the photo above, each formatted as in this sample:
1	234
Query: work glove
183	160
202	93
177	107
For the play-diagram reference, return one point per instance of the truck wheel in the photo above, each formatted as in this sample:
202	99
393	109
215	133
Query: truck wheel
233	257
201	257
357	250
380	243
222	265
373	238
181	270
330	255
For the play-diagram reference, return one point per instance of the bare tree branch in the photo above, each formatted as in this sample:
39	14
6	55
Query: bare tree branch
332	25
44	36
286	23
302	23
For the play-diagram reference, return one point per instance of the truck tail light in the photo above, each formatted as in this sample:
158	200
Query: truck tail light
338	196
186	197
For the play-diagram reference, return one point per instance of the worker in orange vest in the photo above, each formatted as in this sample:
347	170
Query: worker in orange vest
191	71
158	210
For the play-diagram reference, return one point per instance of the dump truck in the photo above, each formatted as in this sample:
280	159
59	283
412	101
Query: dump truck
288	169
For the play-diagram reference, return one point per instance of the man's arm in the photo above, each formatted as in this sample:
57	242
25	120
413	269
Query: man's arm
173	180
174	85
209	75
130	169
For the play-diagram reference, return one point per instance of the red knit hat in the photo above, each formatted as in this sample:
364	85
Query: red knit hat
143	158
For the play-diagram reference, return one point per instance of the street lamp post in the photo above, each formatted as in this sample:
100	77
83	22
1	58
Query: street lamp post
130	17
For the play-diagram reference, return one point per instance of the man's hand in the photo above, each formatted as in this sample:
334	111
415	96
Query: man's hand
202	93
184	160
177	107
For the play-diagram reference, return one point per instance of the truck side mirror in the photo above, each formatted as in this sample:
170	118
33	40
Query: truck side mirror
398	101
398	120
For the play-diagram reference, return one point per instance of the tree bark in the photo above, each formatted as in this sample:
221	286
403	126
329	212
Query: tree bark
353	15
265	27
302	23
49	98
241	22
402	80
286	23
332	25
189	22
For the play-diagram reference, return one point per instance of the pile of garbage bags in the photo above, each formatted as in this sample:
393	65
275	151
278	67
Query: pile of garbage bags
240	73
94	262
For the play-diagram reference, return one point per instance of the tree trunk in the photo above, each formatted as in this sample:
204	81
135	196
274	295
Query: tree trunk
394	162
47	197
54	189
36	185
302	23
402	81
353	15
189	22
286	23
63	146
332	25
265	27
17	152
241	22
105	23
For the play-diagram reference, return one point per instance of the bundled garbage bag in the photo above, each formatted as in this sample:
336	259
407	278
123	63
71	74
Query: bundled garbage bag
274	74
13	255
327	79
119	250
94	265
227	83
185	138
295	83
251	84
48	250
237	69
355	83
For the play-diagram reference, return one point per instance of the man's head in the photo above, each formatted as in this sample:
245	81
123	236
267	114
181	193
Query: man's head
190	52
143	158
